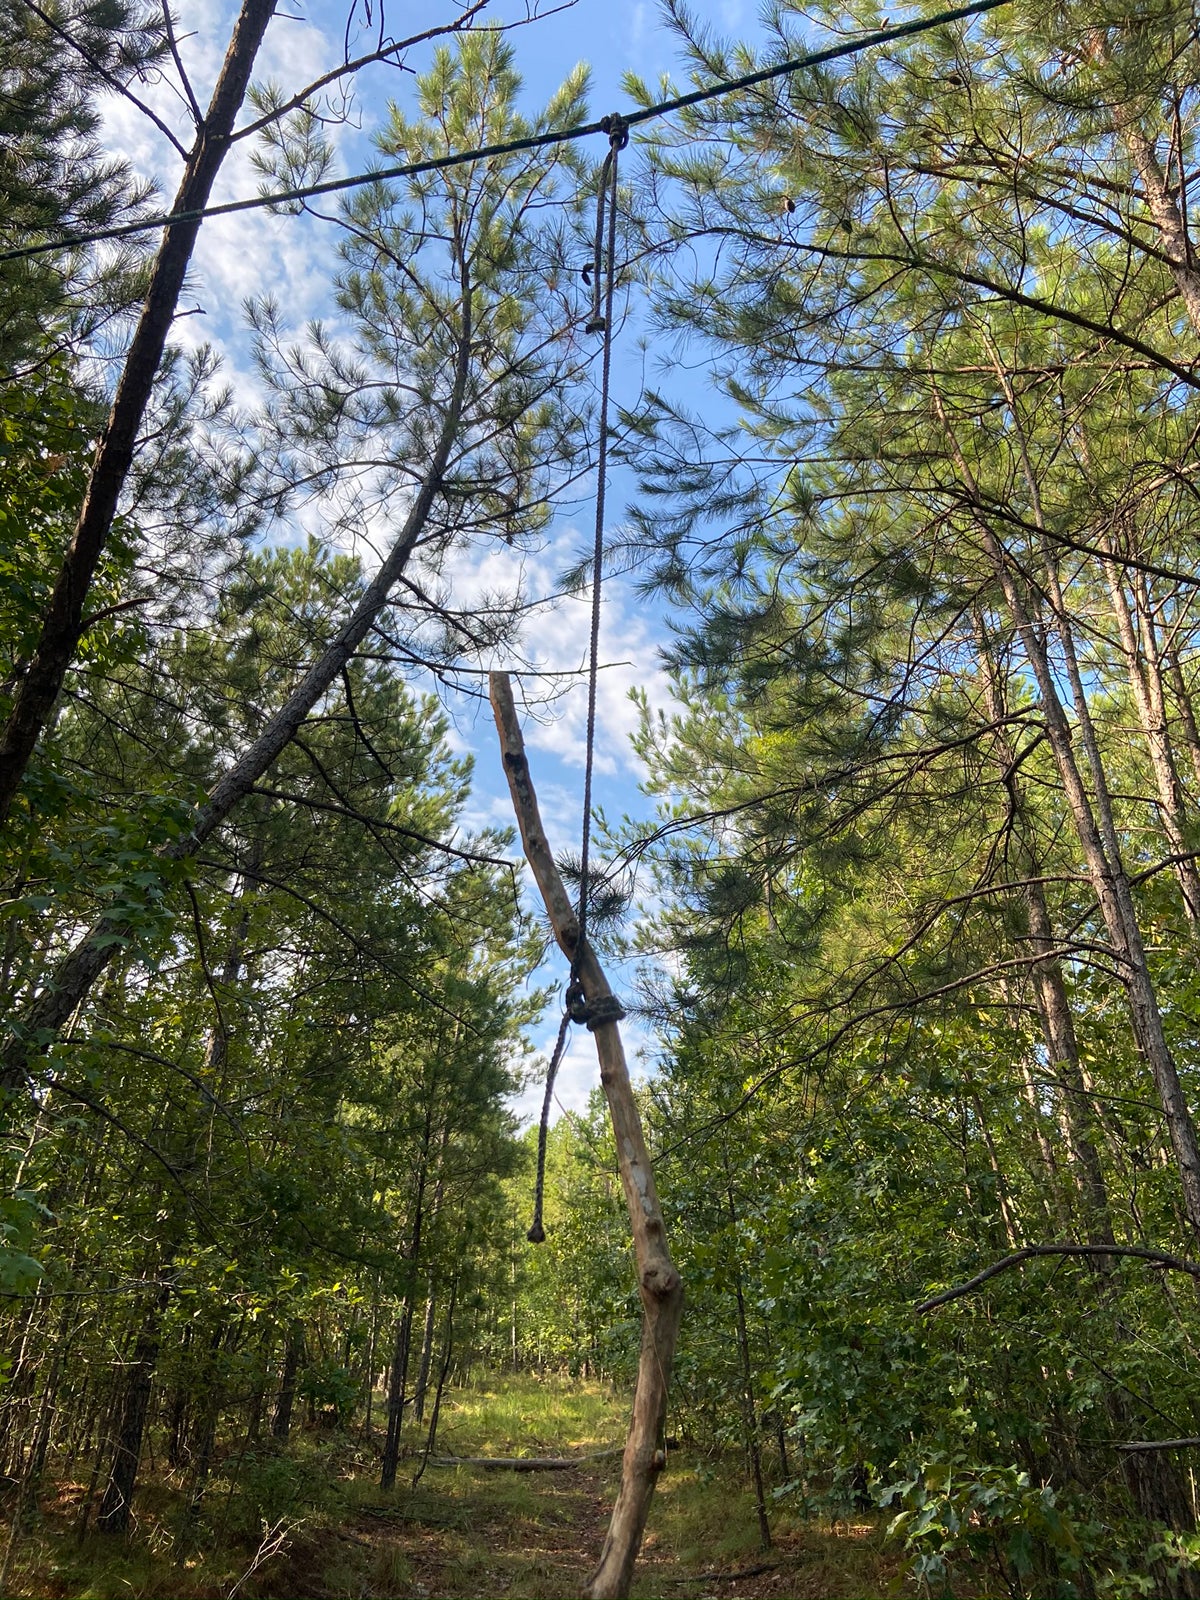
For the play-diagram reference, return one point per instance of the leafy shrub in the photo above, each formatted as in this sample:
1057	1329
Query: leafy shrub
979	1514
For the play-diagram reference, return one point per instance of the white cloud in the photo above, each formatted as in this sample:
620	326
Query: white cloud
551	660
579	1071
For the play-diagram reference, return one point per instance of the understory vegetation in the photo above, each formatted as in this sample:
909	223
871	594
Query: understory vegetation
316	1522
908	906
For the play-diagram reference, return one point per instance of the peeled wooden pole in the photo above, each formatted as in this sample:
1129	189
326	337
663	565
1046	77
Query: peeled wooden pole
659	1282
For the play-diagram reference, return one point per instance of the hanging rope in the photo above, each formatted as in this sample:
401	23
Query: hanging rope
602	320
604	282
537	1232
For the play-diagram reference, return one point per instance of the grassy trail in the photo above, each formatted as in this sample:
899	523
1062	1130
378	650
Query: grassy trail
462	1532
468	1531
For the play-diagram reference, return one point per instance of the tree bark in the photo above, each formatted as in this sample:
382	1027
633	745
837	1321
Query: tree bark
749	1408
1183	703
426	1358
397	1382
118	1495
293	1355
62	624
1095	826
1165	210
659	1283
1143	663
81	967
1054	1006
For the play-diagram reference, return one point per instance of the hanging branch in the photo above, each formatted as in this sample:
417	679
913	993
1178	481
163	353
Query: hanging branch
1156	1257
659	1282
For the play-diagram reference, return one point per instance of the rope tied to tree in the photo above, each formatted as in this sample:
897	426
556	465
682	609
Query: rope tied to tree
603	281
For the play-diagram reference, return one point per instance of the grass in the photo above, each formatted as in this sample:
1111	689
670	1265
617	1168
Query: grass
463	1531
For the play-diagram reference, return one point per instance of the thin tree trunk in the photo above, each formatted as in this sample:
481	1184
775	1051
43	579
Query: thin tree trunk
372	1347
659	1283
1097	834
1063	1049
293	1355
443	1373
1139	646
749	1410
1007	1219
398	1377
397	1382
1183	702
118	1495
62	624
81	967
426	1359
1054	1006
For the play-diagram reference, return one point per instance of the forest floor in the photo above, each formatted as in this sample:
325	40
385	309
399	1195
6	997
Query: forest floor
314	1525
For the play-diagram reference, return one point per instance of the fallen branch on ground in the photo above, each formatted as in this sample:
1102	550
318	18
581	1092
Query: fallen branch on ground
523	1463
724	1577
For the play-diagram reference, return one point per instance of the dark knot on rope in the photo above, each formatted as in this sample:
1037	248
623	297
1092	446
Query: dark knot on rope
605	1008
617	130
591	1014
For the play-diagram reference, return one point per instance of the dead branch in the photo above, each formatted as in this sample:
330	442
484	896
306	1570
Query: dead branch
659	1282
524	1463
1155	1257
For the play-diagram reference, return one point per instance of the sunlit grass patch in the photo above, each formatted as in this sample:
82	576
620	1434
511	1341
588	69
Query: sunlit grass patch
531	1416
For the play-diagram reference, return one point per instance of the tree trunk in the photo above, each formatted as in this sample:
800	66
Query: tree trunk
293	1355
1183	702
659	1283
397	1382
80	968
118	1495
398	1377
443	1373
62	624
1168	217
1143	664
749	1409
426	1359
1096	831
1054	1006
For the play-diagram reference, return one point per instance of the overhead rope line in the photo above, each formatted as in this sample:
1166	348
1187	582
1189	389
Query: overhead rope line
604	283
537	141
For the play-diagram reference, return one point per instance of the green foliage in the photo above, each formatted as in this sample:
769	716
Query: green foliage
951	1514
20	1271
54	176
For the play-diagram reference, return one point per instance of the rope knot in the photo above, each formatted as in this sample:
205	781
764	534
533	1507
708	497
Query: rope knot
604	1008
617	130
575	1002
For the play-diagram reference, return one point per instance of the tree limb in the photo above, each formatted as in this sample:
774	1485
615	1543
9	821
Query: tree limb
1155	1257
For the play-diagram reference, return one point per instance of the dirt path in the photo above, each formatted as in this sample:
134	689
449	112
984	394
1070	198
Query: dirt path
465	1533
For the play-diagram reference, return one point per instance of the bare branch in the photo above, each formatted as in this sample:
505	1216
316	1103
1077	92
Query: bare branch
1157	1258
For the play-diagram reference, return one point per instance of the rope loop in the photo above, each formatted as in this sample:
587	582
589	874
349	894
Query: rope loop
575	1005
617	130
605	1008
576	1002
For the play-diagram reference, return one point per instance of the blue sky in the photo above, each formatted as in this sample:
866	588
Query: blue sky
294	258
